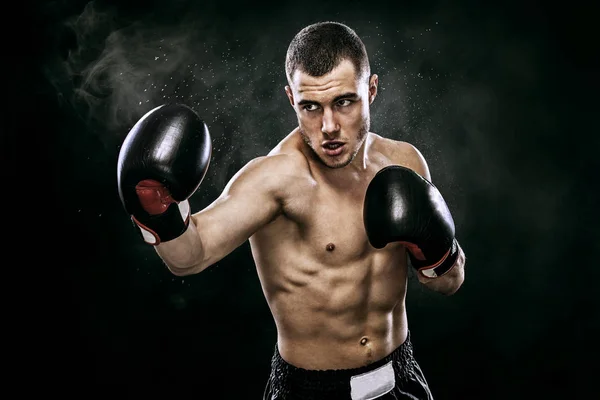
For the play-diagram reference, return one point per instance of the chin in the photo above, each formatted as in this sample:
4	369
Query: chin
336	164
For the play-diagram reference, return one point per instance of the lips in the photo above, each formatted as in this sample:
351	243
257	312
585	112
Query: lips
333	147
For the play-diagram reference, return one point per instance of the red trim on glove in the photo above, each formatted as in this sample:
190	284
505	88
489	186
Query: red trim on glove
414	250
150	231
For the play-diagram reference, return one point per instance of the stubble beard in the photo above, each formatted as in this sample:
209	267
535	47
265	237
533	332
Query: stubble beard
362	133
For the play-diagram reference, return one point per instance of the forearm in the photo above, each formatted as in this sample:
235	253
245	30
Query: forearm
450	282
185	254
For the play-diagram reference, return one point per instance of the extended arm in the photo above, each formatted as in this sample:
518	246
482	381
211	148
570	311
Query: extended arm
163	161
250	200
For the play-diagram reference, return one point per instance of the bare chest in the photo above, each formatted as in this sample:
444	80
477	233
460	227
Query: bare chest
330	225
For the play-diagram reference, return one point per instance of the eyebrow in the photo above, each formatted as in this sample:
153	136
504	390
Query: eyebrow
348	95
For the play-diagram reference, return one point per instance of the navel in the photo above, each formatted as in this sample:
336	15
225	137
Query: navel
366	343
330	247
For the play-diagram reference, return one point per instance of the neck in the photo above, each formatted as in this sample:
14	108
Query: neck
353	172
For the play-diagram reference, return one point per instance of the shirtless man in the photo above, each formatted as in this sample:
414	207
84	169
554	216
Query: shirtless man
333	214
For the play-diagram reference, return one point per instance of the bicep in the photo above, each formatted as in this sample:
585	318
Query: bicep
247	203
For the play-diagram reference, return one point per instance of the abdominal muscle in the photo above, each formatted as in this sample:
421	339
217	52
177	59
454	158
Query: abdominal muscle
333	315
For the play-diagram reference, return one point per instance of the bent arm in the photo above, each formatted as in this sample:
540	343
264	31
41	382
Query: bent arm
250	200
451	281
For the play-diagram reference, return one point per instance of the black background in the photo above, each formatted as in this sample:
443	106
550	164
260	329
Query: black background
498	97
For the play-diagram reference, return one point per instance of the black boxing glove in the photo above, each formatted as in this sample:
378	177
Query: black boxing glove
401	206
161	163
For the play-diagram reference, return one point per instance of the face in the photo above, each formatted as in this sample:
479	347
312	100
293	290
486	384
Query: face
333	111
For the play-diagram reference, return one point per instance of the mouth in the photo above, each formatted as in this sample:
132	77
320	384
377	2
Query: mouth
333	147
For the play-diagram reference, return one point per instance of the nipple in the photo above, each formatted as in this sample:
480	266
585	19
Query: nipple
330	247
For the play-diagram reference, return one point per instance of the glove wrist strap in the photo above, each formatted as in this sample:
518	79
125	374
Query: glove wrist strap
445	265
169	225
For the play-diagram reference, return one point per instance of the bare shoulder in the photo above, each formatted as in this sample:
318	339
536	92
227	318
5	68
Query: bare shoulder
401	153
281	171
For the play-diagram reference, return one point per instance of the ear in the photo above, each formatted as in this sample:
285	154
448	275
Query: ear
290	95
373	82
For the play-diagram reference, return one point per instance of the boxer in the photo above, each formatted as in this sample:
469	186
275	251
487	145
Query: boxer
335	215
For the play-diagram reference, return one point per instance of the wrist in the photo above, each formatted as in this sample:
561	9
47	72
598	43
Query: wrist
169	225
443	266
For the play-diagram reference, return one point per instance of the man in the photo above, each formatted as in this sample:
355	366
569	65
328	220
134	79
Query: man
332	213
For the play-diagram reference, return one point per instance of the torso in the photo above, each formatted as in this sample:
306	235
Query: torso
337	301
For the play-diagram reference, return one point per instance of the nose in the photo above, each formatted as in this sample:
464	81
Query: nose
329	125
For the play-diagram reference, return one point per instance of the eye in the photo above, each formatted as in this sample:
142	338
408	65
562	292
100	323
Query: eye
310	107
344	103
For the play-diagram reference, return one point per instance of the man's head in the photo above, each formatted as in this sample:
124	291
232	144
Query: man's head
330	88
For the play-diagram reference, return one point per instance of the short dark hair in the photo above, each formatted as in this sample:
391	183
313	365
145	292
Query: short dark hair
317	49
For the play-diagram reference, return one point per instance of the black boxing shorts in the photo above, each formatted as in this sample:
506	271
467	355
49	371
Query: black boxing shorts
397	376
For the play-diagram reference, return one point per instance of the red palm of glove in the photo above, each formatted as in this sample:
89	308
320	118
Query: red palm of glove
154	197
